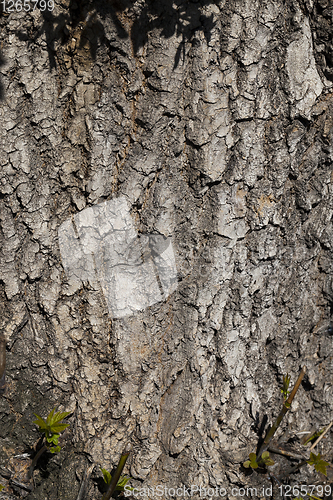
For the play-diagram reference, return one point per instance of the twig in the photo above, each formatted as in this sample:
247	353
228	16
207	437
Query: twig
35	460
321	435
307	434
294	469
85	480
285	453
271	476
116	475
6	473
285	408
20	485
300	464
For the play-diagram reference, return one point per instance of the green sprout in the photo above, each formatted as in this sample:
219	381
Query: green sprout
265	460
254	463
285	386
284	410
319	464
315	460
314	436
122	481
1	487
51	428
117	481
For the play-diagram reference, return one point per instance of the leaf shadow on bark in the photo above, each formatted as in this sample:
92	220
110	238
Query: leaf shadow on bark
172	17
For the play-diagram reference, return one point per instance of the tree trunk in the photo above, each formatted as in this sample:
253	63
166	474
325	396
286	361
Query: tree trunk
212	123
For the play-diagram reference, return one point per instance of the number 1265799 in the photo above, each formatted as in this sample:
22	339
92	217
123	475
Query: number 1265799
27	5
310	489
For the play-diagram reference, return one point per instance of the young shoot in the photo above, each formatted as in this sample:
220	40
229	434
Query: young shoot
122	481
285	386
254	462
318	463
116	481
51	428
314	436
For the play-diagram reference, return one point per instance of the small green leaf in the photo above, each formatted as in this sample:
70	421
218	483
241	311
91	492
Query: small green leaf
52	427
59	416
58	427
266	459
106	475
53	419
321	467
123	480
314	436
252	462
53	438
55	449
1	487
50	416
40	422
285	386
319	464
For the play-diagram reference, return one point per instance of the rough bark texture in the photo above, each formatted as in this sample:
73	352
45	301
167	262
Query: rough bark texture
215	121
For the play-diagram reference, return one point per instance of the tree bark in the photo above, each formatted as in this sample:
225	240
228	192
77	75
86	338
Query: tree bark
214	121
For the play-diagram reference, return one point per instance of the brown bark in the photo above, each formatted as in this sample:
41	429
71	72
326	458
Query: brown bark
214	122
